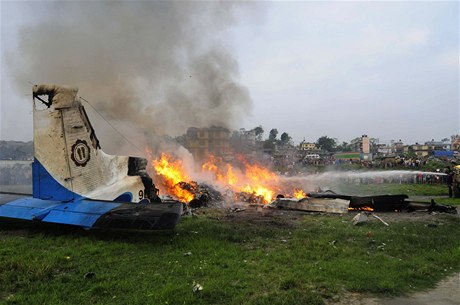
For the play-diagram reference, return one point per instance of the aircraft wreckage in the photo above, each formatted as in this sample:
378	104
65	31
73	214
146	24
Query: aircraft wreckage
76	183
337	203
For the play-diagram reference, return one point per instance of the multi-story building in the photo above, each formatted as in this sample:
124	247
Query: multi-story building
385	150
204	141
400	149
439	145
307	150
307	146
362	145
421	150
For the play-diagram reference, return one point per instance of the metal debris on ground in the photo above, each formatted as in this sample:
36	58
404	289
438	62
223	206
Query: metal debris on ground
196	287
89	275
236	210
249	197
364	217
328	205
360	218
387	203
206	195
375	216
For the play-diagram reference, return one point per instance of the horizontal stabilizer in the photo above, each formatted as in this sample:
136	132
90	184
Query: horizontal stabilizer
93	213
27	208
82	213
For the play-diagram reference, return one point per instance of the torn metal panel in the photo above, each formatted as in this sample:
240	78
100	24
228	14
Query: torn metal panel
387	203
377	203
382	203
328	205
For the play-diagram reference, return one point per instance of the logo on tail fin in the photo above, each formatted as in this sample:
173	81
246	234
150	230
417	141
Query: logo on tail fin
80	153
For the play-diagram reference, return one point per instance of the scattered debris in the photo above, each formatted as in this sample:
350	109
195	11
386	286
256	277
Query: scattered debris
360	218
196	287
375	216
387	203
364	217
328	205
89	275
206	195
249	197
236	210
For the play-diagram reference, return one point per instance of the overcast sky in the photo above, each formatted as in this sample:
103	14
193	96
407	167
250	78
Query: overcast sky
342	69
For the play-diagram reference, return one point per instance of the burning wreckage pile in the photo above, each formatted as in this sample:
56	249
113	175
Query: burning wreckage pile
220	181
223	183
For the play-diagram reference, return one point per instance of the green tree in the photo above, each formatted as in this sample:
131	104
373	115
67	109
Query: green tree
273	134
258	131
345	147
285	138
326	143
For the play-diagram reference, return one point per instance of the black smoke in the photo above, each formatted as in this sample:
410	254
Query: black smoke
149	67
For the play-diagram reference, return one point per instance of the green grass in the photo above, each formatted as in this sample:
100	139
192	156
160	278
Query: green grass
449	201
238	262
395	188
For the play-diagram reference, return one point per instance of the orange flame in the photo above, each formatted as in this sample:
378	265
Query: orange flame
252	178
248	177
298	193
172	173
232	179
364	208
261	191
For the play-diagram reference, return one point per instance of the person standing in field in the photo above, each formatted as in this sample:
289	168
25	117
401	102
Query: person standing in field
449	180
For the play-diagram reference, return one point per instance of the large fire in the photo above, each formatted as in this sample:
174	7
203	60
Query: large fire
242	177
173	173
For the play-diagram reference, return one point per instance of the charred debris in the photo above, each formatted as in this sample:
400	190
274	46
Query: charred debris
205	195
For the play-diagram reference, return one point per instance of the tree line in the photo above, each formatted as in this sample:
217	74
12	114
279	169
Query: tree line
324	143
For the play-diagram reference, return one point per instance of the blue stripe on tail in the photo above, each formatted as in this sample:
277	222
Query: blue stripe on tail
46	187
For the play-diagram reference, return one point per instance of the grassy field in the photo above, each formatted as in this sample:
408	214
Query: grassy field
236	260
394	188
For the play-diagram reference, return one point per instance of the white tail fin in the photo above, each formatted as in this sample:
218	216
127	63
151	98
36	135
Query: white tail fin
69	162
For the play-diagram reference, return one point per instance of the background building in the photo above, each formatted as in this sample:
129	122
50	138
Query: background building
362	145
204	141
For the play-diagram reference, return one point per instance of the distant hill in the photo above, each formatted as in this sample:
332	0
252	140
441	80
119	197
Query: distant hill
16	150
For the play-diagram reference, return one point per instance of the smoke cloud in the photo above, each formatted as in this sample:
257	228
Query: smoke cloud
156	67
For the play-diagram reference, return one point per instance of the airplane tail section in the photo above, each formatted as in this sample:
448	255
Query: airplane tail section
69	163
76	183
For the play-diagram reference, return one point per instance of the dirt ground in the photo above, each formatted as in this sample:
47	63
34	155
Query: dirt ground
259	214
447	292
